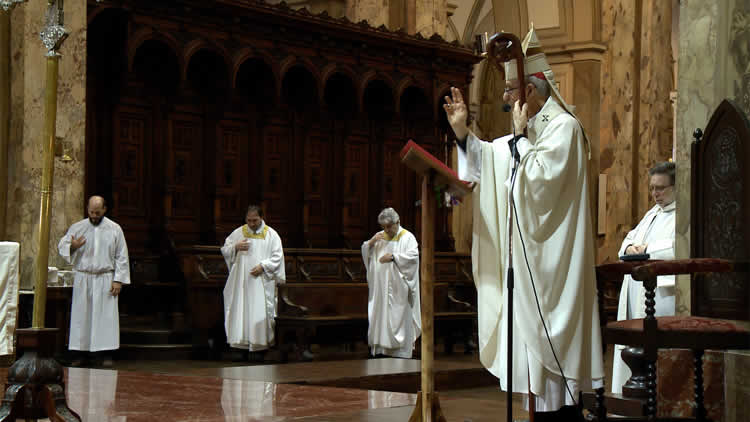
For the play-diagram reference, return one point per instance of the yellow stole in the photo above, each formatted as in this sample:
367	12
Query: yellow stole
250	235
396	237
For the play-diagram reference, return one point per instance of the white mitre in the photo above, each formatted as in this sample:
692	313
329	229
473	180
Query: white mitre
535	64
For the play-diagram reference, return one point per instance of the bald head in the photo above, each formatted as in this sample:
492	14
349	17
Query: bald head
96	209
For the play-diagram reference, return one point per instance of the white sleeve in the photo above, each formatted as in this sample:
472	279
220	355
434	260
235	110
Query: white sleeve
470	160
661	249
122	262
274	264
228	251
366	254
63	247
627	241
407	261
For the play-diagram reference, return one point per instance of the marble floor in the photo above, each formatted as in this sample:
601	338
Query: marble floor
201	392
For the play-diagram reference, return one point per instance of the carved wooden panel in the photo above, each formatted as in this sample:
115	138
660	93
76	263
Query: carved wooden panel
721	211
317	185
319	269
355	195
231	174
277	182
131	138
183	171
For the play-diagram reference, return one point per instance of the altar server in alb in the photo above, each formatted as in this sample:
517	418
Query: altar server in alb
96	248
391	258
255	258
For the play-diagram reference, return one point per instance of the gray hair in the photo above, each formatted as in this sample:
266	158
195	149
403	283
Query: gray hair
388	216
666	168
541	85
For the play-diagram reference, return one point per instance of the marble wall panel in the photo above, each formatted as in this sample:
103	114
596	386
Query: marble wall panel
375	12
737	388
636	115
27	122
618	98
675	388
656	82
432	17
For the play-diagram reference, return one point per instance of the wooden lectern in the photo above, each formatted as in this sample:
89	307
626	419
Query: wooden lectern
434	174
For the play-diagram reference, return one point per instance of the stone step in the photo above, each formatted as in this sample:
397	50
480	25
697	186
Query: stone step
130	351
132	335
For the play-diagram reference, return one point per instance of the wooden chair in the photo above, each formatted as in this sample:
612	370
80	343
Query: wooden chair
720	210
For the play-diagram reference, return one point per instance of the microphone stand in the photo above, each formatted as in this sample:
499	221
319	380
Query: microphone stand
510	280
501	48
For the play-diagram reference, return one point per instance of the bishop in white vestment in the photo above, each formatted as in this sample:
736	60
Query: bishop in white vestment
552	231
391	258
255	259
654	235
96	248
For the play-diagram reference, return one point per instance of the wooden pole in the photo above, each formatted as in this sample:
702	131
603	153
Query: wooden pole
427	408
426	280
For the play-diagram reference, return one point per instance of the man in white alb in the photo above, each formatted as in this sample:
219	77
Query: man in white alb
255	258
96	248
391	258
654	236
553	232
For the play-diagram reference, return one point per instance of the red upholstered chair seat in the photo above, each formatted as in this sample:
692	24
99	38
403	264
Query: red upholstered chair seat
684	324
688	332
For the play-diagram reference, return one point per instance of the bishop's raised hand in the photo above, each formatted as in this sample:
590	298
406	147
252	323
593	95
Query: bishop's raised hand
457	112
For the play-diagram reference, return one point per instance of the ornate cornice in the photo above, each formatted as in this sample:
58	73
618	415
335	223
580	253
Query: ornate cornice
251	16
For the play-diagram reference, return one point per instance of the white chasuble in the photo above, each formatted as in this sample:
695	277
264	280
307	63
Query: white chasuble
249	301
94	316
656	230
552	209
393	307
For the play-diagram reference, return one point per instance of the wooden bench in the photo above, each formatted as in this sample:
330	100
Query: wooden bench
325	297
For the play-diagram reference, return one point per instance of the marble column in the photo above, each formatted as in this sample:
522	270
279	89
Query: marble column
25	150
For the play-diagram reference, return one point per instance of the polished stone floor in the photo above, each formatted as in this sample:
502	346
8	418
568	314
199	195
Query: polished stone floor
198	390
207	392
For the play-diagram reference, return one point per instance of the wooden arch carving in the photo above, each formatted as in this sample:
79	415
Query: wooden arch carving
141	35
196	45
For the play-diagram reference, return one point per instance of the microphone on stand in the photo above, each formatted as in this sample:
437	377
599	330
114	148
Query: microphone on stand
512	142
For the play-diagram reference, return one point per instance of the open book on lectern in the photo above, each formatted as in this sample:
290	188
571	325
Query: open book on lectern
422	162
